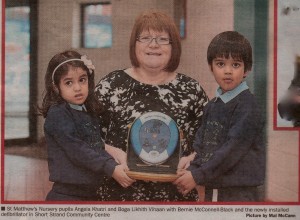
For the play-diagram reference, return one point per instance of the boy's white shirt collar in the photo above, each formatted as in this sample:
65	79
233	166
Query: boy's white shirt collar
227	96
78	107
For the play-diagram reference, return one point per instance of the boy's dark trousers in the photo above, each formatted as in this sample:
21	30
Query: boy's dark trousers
233	194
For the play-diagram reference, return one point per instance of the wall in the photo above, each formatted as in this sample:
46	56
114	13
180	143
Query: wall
203	23
1	66
58	22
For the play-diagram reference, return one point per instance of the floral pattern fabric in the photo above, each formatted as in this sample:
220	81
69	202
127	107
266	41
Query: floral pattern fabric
125	99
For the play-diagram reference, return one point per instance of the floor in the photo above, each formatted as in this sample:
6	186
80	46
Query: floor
22	182
26	179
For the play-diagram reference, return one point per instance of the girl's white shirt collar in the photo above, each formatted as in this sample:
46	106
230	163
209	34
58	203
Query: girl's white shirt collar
78	107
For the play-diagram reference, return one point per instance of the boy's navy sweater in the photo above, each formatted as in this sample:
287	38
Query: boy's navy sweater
229	144
76	152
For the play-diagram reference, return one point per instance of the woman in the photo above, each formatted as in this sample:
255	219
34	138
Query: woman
151	84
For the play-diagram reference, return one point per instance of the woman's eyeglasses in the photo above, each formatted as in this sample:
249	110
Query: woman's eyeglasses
158	40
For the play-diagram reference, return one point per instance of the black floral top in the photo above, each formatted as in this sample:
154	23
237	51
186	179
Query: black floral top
124	99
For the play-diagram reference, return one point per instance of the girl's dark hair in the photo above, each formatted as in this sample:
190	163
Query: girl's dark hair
230	43
51	94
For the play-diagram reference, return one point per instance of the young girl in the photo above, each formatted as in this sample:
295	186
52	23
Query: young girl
77	158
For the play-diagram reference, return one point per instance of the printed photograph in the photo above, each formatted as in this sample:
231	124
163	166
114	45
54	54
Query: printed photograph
150	102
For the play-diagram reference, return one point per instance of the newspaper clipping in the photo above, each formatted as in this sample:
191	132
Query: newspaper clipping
146	109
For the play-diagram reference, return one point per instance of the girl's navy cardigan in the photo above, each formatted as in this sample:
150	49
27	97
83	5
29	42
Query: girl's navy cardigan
76	153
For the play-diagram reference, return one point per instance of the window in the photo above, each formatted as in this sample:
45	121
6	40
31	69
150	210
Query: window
180	16
96	25
19	91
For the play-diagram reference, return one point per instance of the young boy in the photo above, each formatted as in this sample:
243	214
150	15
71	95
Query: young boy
230	160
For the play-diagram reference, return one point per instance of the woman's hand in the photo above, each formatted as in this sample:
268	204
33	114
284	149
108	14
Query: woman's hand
119	155
185	162
121	177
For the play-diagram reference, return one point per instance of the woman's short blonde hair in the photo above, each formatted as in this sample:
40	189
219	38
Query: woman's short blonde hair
157	21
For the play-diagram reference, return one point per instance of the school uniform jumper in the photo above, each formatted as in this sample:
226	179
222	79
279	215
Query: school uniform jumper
77	159
230	147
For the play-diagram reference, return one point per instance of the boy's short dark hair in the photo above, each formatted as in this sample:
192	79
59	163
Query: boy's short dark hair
230	43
